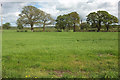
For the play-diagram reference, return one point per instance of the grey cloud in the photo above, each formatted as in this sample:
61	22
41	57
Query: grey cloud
10	11
11	7
104	5
62	8
90	1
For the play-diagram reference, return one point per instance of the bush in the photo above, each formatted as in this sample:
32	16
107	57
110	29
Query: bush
37	31
91	30
34	31
48	31
18	31
59	31
25	30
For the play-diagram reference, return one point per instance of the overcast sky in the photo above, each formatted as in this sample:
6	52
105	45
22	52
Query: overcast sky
11	8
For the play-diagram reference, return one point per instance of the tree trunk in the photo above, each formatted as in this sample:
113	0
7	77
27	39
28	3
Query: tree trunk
68	27
32	29
74	28
86	28
99	26
107	27
98	29
44	27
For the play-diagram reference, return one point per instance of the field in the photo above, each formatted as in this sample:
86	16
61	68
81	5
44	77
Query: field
59	54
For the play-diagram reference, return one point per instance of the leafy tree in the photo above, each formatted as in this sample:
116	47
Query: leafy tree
109	19
92	20
6	25
30	16
20	24
106	19
100	18
46	20
68	21
61	23
75	19
84	25
58	23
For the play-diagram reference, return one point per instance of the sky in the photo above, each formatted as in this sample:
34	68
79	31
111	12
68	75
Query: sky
12	8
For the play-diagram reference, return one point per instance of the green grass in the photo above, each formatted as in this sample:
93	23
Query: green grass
55	54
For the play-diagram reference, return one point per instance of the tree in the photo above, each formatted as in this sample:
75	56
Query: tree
92	19
68	21
20	24
6	25
84	25
101	18
109	19
46	20
30	16
58	24
61	22
75	19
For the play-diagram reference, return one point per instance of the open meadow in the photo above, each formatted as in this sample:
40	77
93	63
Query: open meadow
59	54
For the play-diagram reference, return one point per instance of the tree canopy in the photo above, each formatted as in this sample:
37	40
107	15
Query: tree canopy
46	20
68	21
99	18
75	19
31	15
6	25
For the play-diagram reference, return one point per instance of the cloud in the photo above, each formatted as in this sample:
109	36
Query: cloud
12	8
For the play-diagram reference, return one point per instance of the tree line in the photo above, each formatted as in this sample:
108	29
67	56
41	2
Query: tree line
31	16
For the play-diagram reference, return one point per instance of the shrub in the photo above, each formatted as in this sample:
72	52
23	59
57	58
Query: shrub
17	30
25	30
59	31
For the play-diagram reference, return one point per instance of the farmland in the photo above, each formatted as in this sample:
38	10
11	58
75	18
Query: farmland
59	54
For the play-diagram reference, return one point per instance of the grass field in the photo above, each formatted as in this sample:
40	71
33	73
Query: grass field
60	54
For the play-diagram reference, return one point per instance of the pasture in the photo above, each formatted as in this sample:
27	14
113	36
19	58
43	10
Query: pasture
59	54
